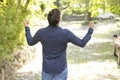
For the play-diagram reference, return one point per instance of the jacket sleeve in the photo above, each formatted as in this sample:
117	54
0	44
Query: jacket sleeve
31	40
80	42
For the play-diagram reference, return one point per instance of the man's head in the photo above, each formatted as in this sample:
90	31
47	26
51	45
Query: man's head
54	17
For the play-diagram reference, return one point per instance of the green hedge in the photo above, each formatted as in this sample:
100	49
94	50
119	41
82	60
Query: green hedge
11	27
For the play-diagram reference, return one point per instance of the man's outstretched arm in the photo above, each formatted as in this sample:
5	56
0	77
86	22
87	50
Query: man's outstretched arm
30	40
81	42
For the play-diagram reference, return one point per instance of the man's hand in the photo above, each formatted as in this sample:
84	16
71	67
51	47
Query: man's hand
26	23
91	25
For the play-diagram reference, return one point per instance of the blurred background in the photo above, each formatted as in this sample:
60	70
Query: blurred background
14	51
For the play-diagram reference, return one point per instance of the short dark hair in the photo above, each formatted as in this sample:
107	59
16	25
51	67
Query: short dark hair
54	17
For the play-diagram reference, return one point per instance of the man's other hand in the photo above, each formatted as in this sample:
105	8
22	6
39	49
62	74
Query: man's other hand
91	25
26	23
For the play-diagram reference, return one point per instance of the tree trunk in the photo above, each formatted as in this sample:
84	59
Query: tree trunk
89	16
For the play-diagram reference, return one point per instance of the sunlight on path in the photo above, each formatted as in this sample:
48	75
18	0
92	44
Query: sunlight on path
93	71
35	65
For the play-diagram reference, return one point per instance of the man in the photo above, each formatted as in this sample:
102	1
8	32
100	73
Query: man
54	42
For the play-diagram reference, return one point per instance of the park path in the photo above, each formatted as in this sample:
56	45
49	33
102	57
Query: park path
92	69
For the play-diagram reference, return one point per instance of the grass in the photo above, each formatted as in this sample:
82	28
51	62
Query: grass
93	52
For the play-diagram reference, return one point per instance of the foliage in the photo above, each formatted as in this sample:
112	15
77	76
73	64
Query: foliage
114	6
72	6
11	26
39	10
12	13
106	5
92	6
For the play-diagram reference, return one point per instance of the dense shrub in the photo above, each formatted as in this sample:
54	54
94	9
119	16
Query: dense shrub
11	27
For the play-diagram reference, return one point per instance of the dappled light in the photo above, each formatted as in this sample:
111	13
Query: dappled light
94	71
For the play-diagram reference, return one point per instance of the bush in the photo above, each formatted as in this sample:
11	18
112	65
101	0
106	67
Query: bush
11	28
